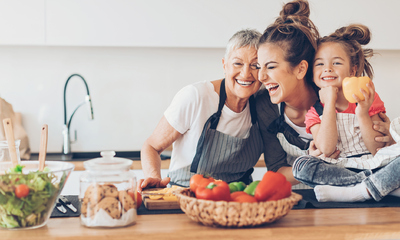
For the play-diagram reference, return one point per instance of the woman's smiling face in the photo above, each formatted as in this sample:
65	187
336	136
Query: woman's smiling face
241	72
275	73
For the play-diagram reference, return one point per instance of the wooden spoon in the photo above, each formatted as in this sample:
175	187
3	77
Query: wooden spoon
11	141
43	147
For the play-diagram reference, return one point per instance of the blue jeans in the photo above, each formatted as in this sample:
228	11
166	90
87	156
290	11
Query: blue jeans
313	171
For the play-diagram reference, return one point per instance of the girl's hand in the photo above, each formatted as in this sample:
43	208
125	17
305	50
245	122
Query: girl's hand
328	95
314	151
364	105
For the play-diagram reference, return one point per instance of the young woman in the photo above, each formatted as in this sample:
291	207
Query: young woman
285	54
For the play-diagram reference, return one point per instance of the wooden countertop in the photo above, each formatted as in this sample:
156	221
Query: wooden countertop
355	223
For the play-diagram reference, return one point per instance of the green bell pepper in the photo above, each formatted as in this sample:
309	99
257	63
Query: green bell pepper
236	186
251	188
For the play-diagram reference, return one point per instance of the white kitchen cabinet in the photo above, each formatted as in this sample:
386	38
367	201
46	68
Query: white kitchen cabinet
177	23
205	23
22	22
152	23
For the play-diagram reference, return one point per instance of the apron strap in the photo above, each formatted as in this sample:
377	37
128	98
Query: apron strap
318	107
279	125
213	121
222	98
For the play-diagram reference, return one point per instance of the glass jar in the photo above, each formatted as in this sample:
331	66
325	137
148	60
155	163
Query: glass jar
5	152
108	192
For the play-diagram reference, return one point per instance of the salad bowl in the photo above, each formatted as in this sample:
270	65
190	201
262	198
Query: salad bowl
27	195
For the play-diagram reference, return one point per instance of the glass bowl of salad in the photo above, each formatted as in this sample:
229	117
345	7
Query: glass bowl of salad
27	195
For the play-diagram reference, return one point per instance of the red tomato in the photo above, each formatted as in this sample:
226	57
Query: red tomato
241	196
138	198
21	191
199	180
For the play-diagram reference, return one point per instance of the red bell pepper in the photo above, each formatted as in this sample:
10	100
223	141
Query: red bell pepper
241	196
216	191
284	192
199	180
272	184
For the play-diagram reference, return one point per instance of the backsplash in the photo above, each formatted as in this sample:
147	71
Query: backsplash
130	89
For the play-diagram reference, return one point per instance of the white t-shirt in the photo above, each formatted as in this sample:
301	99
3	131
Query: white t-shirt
300	130
190	109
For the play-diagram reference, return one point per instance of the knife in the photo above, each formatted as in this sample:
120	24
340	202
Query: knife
60	207
67	203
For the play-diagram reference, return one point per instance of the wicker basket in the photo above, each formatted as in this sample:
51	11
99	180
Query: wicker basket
234	214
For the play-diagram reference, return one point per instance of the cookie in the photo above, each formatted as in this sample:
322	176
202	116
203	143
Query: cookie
126	200
110	190
111	206
94	194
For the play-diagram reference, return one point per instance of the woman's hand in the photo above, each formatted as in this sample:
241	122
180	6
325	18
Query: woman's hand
383	127
152	183
314	151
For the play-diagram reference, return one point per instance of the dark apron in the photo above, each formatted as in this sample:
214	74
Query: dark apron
223	156
279	125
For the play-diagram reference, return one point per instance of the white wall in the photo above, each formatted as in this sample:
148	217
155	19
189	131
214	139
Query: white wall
132	86
130	89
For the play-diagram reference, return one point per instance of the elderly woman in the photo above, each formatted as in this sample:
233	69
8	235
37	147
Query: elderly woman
212	124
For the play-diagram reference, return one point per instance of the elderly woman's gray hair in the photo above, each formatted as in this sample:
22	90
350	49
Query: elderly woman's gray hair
244	38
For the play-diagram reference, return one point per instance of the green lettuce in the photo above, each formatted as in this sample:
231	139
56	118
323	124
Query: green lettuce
33	209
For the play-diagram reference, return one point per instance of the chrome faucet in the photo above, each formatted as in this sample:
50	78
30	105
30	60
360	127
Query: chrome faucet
66	138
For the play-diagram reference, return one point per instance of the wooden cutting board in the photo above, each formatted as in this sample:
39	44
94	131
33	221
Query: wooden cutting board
158	204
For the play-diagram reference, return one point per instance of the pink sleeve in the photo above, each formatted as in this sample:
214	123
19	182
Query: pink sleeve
312	118
377	106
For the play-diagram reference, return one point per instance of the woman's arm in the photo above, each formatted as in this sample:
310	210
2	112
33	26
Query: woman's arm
162	137
383	126
325	135
287	172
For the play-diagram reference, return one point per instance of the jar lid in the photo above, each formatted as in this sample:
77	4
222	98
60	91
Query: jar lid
108	162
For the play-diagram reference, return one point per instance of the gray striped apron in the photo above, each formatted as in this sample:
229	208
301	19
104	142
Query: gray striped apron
220	155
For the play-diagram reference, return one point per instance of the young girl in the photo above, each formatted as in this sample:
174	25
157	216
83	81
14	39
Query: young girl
343	125
337	124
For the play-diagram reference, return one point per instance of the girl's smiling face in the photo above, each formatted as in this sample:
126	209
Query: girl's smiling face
331	65
276	73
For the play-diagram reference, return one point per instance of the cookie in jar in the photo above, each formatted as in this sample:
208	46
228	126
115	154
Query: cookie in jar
105	189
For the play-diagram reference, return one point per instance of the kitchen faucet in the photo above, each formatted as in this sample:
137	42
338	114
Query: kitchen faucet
67	142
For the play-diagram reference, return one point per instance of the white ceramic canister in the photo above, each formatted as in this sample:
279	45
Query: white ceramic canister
107	192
